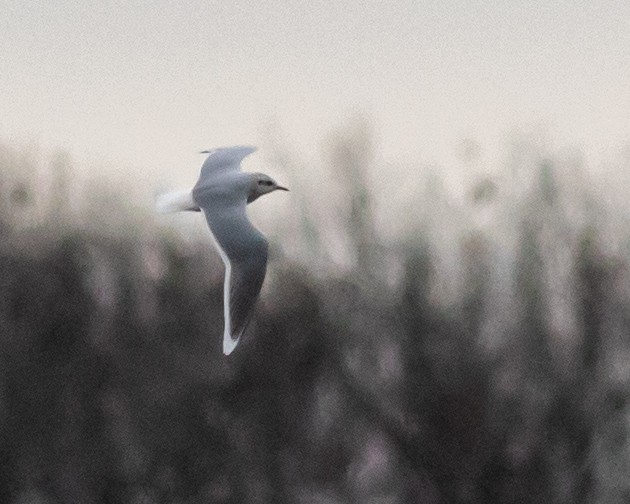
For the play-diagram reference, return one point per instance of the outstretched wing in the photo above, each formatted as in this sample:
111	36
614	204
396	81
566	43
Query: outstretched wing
224	159
244	252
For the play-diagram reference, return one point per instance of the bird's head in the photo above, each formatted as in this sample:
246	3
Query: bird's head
262	184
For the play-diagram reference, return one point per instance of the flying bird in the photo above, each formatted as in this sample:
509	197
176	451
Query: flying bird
222	193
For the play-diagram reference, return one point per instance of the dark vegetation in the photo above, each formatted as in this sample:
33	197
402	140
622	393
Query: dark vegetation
481	356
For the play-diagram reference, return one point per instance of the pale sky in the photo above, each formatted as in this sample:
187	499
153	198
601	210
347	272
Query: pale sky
145	85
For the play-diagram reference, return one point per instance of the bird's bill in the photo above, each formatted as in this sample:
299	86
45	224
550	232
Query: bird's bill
282	188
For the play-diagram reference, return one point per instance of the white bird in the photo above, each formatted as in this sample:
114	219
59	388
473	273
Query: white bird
222	193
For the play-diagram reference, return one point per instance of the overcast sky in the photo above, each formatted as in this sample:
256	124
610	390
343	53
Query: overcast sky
146	84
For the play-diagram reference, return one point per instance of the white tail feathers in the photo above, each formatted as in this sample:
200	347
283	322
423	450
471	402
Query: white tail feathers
177	201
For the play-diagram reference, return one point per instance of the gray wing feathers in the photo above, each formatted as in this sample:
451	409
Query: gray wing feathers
244	251
224	159
246	282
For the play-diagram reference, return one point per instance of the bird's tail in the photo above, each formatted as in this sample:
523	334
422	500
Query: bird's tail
177	201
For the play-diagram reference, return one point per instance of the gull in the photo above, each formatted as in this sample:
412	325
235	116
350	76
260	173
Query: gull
222	193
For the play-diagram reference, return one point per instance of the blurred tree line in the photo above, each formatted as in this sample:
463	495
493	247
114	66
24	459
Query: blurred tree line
479	356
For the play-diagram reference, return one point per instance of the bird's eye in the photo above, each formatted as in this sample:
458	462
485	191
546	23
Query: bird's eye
265	182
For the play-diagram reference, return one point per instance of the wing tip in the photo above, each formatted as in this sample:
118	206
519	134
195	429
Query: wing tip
229	344
244	149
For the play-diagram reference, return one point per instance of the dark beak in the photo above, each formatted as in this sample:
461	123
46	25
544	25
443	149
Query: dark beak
282	188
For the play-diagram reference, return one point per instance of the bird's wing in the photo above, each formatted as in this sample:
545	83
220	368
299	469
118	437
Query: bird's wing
244	252
224	159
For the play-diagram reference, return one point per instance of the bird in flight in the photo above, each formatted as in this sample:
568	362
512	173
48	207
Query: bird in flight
222	193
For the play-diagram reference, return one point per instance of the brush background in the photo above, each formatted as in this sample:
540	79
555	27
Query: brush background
475	350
